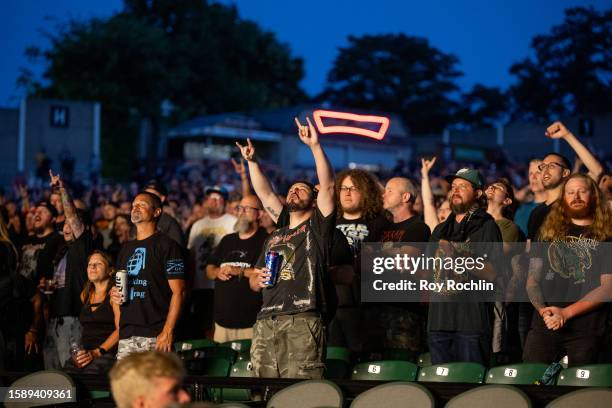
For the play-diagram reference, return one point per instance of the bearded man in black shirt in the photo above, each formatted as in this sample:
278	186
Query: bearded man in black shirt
156	282
570	278
289	335
230	266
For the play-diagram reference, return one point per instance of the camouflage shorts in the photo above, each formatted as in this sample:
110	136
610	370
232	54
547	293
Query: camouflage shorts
135	344
293	347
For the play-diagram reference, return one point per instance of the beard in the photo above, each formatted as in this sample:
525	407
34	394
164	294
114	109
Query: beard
460	208
299	205
583	211
242	225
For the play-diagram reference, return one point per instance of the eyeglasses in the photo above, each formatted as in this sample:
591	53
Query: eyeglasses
551	165
496	187
244	208
347	189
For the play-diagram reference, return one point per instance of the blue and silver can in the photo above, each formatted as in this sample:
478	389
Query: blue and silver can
273	259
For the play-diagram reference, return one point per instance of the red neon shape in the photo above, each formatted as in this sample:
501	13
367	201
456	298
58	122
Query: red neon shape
378	135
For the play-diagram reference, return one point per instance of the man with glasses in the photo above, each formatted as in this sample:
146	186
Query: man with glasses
236	305
555	170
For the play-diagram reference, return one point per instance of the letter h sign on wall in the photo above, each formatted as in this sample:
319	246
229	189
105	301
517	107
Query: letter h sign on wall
60	116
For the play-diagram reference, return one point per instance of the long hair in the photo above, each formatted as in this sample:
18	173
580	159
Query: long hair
368	187
89	287
5	237
557	223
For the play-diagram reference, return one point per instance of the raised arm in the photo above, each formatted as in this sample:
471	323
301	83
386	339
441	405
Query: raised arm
429	207
558	131
244	179
325	173
261	184
69	210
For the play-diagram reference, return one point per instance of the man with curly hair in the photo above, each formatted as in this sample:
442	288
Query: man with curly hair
569	277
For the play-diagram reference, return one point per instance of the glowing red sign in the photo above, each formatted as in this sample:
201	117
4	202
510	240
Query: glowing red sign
379	134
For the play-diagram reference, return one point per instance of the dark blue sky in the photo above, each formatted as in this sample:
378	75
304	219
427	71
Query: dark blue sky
486	35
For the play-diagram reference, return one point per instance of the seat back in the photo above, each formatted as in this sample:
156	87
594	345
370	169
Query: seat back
499	396
391	370
520	374
242	369
308	394
424	360
591	398
393	395
194	344
43	380
338	353
594	375
453	372
240	346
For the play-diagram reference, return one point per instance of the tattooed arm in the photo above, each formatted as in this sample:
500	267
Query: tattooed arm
72	217
533	285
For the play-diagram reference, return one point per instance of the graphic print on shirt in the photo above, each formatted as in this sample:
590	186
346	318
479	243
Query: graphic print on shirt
29	259
571	258
136	263
355	234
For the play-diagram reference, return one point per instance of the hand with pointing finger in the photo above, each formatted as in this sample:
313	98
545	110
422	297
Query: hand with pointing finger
56	182
248	151
307	133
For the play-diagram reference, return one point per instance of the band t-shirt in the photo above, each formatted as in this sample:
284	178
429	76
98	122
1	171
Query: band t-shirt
572	267
150	263
303	252
236	305
361	230
410	230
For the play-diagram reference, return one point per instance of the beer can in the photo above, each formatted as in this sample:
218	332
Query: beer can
273	259
121	282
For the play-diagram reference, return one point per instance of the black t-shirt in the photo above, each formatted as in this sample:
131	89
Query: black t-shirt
410	230
361	230
169	226
96	324
70	274
150	263
304	252
462	315
536	219
37	255
572	267
236	305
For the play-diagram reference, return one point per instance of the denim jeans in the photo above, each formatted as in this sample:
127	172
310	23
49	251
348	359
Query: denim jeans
447	347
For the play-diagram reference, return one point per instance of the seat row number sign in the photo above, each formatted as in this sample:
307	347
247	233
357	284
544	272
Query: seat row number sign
443	371
510	372
583	374
374	369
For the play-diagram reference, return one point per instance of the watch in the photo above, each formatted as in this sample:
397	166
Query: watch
102	351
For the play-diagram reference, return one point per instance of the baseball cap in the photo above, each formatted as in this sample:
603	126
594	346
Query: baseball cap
471	175
50	207
218	190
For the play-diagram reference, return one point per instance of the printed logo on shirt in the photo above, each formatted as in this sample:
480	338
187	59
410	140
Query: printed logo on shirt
137	261
572	257
354	233
175	267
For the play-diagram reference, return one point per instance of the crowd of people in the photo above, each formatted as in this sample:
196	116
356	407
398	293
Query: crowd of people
194	246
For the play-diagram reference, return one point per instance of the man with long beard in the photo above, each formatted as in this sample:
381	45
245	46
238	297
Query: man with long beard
236	305
570	278
289	335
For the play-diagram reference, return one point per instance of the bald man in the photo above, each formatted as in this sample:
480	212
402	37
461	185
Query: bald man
236	305
398	199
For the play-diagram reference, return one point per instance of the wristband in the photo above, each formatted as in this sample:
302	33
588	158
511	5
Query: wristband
102	351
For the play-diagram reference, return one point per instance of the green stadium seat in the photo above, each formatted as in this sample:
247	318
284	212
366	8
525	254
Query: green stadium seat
518	374
308	394
391	370
196	344
594	375
424	360
240	346
499	396
337	362
242	369
586	398
395	394
453	372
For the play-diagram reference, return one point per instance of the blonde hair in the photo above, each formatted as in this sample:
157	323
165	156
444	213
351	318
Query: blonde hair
133	376
557	223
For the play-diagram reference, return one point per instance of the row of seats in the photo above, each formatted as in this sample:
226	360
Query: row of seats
232	359
321	393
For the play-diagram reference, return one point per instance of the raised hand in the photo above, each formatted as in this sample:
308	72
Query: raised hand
238	166
426	165
56	181
248	151
307	133
557	131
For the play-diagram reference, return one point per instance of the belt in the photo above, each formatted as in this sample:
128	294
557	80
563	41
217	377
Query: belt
295	315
